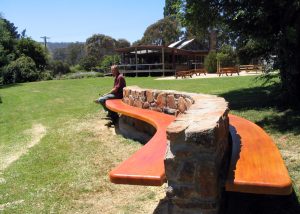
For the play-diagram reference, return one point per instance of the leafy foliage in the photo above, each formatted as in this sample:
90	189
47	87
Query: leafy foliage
210	62
34	50
108	61
59	67
162	32
122	43
88	62
261	29
227	56
7	44
171	7
99	45
21	59
71	54
21	70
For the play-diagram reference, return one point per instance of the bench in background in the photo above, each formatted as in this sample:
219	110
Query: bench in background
251	68
228	70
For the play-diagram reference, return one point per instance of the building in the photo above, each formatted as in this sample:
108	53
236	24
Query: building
161	60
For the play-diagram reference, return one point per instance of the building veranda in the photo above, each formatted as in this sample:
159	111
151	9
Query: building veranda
156	60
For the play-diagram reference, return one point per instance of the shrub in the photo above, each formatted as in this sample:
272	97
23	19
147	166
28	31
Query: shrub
210	62
46	75
21	70
108	60
76	68
60	67
88	62
227	56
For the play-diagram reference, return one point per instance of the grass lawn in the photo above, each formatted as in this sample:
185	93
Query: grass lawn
56	152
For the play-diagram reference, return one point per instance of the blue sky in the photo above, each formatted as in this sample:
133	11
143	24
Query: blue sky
76	20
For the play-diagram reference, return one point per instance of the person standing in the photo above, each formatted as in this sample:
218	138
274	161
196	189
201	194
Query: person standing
115	93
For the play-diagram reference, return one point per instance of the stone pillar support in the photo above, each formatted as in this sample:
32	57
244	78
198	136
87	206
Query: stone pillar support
196	156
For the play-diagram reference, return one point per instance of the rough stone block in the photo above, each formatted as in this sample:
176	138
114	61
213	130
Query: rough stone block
171	103
189	102
146	105
149	96
131	100
126	100
161	100
187	172
182	105
176	131
168	110
138	103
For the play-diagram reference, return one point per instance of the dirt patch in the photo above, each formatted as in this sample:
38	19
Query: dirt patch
36	133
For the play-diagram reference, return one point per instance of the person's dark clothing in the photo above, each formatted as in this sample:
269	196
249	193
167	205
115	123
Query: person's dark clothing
119	84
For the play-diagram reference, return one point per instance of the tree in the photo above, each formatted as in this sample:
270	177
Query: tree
122	43
12	29
75	52
137	42
162	32
171	7
71	54
7	44
273	26
34	50
21	59
99	45
60	54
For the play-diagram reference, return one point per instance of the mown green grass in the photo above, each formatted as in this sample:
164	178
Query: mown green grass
68	168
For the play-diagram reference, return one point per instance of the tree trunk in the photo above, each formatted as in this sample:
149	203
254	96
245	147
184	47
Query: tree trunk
290	73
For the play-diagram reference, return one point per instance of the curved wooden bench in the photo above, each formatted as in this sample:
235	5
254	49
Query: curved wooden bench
146	166
256	165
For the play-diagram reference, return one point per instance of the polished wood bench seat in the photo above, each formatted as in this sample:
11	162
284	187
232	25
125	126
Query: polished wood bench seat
146	166
256	165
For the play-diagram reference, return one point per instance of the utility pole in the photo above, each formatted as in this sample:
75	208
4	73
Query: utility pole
45	40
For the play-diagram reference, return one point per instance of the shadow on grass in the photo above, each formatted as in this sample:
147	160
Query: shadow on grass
242	203
9	85
286	121
265	98
252	98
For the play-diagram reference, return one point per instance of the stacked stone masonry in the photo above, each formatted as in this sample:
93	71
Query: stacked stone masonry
198	147
169	102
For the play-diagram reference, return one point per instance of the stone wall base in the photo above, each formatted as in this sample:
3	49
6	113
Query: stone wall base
135	129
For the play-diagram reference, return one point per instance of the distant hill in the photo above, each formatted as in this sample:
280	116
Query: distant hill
55	45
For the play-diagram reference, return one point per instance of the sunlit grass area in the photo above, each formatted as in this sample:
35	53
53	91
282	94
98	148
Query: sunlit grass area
56	152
